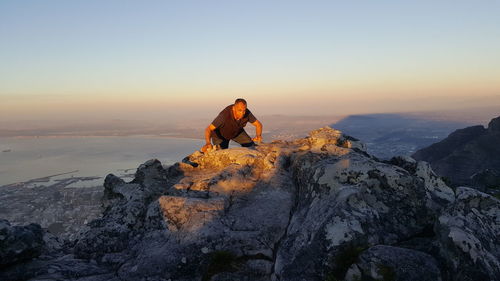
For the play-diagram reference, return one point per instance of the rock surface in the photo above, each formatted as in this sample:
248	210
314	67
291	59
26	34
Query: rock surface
19	243
392	263
468	234
317	208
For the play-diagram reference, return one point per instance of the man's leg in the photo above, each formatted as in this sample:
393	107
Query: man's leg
244	139
219	140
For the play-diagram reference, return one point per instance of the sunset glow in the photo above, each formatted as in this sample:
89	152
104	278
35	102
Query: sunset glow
117	59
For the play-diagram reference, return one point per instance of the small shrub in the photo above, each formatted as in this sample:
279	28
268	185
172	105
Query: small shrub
220	261
386	272
343	260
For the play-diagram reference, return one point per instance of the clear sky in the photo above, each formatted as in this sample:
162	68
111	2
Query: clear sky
138	59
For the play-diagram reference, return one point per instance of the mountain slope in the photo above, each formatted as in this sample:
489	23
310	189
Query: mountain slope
469	156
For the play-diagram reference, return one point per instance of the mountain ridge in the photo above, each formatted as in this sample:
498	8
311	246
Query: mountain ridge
468	156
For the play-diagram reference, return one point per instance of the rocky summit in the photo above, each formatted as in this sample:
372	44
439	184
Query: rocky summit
317	208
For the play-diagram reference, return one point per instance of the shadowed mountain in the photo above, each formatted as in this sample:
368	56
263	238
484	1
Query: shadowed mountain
469	156
389	135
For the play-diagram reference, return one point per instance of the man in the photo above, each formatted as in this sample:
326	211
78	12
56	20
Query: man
229	124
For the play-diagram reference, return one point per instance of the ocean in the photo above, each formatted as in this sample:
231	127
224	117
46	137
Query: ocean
84	161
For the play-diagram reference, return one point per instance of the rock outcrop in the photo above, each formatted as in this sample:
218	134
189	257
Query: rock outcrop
393	263
317	208
468	234
19	243
469	157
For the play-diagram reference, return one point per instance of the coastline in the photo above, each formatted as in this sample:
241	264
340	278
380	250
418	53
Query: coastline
32	160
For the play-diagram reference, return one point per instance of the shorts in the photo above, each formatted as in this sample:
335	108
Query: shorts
242	138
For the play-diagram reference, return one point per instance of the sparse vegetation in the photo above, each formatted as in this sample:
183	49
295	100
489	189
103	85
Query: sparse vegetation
496	195
343	260
448	182
330	277
386	272
220	261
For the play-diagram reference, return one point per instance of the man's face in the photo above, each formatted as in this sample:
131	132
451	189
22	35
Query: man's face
239	110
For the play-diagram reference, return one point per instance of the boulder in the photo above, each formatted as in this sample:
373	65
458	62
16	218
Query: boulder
19	243
383	262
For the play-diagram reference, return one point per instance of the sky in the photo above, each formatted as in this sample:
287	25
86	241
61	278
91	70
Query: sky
155	59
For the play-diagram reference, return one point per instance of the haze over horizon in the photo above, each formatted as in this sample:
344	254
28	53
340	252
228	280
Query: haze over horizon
86	60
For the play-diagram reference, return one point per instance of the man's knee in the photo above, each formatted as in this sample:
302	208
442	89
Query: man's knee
224	144
244	139
249	144
219	141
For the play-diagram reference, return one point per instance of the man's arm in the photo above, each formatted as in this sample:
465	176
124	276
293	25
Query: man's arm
258	131
208	132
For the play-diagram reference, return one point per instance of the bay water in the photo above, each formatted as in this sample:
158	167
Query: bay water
43	160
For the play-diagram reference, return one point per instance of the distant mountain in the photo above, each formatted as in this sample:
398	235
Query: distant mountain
389	135
469	156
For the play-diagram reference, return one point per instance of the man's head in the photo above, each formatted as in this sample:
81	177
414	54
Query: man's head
239	108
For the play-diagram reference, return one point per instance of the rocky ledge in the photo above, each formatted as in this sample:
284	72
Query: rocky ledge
317	208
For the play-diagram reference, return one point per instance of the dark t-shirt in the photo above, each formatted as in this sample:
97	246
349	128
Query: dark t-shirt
229	127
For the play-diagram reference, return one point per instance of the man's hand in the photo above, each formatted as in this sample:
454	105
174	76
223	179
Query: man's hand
257	139
206	147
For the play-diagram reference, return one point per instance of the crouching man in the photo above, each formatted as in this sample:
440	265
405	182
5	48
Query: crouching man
229	124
